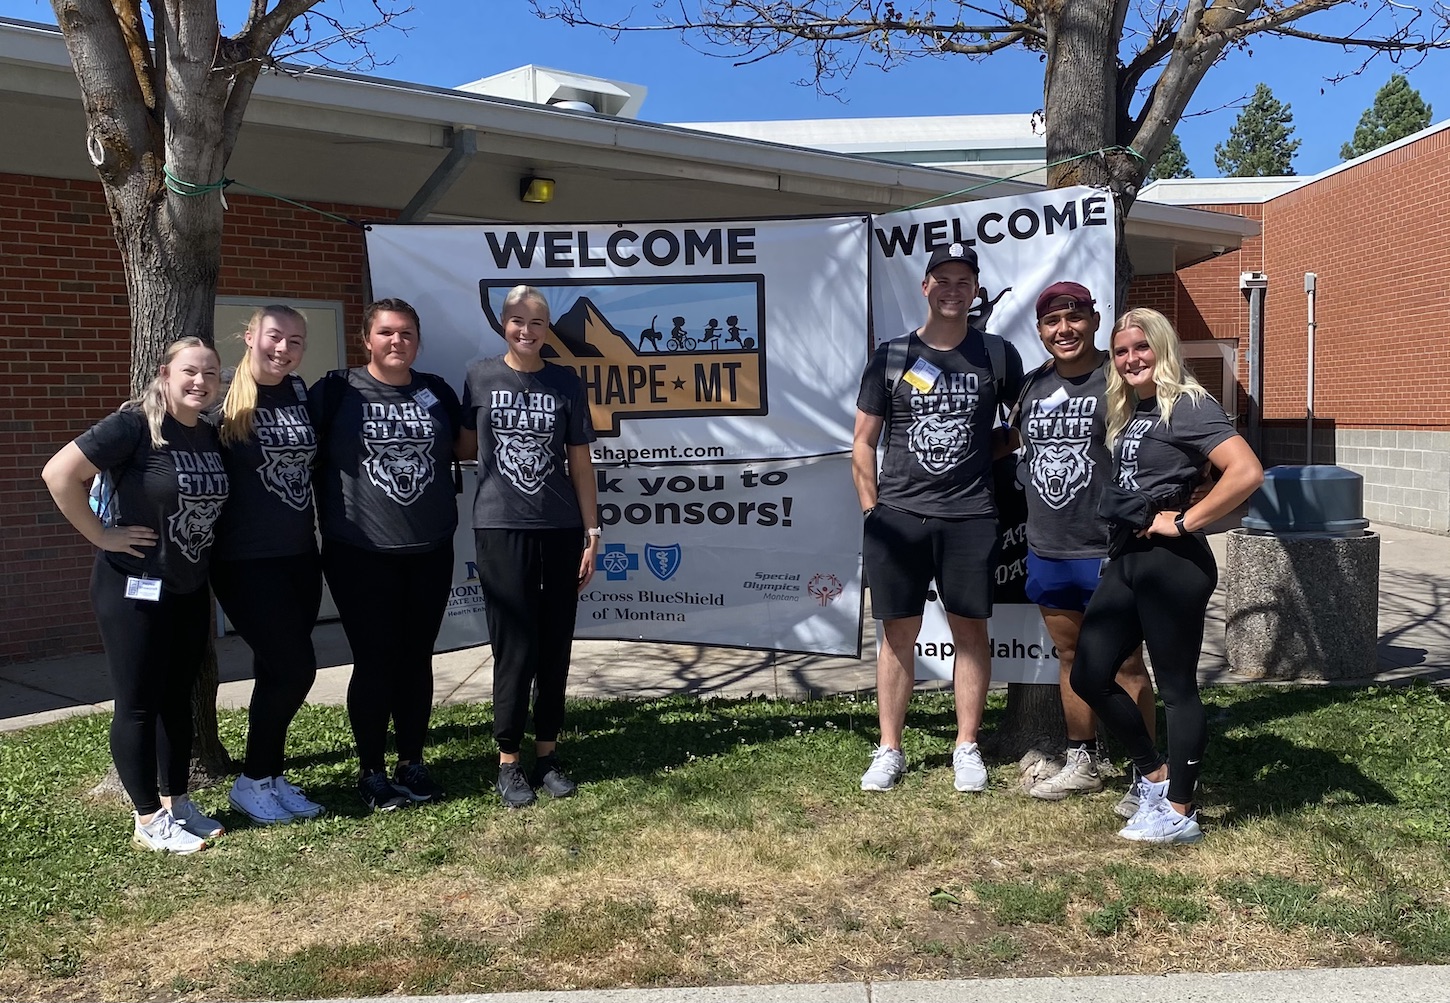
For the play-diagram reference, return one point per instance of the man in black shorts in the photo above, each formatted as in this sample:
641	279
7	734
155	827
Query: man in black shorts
930	514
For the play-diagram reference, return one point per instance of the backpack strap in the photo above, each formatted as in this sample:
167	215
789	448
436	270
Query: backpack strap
997	359
896	350
1027	383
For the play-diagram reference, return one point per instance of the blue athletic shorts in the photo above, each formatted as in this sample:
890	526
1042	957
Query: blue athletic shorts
1063	583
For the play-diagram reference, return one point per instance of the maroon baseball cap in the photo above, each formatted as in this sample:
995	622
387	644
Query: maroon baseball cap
1064	296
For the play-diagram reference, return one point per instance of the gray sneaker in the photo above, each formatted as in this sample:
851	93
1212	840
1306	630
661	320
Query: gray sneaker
887	767
163	834
969	773
1079	775
1128	806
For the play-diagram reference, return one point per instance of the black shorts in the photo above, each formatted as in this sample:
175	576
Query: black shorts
904	552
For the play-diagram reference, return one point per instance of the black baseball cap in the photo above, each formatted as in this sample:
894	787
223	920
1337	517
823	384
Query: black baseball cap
955	251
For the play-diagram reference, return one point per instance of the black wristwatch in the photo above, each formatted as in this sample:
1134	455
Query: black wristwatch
1178	524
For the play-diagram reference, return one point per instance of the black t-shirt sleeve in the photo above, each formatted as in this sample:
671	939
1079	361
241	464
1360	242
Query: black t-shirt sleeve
468	404
112	441
872	397
448	397
581	423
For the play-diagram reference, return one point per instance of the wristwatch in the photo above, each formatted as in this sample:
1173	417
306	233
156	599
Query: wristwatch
1178	524
595	531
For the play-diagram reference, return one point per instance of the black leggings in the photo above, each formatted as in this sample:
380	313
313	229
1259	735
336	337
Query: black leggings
272	602
154	651
391	607
1157	593
530	582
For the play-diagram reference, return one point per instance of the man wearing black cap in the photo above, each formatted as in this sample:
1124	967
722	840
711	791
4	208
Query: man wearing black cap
1061	417
933	396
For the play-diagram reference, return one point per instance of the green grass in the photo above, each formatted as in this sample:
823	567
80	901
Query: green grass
726	841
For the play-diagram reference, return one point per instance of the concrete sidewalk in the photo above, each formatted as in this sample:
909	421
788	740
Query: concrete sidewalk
1424	984
1414	642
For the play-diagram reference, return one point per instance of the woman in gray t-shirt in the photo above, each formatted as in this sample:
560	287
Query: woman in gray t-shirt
1164	428
536	530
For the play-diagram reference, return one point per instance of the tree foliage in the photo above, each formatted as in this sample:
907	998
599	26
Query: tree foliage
1172	162
1259	143
1398	111
1117	75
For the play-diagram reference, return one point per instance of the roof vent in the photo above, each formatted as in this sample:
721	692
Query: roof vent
571	91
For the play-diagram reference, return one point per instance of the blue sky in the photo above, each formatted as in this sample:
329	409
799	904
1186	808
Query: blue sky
455	41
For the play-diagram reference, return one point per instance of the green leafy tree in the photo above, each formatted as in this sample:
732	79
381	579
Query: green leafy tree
1398	111
1259	143
1172	162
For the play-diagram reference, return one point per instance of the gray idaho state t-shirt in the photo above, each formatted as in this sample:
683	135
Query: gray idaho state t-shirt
384	480
938	460
1164	460
1063	422
269	512
177	490
525	423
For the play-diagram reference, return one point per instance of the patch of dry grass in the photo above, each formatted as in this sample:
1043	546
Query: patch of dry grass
692	857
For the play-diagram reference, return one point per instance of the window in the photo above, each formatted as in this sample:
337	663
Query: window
1215	365
325	348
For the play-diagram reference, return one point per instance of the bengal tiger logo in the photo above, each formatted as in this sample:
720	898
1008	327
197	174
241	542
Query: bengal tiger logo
524	459
287	473
939	441
401	467
1059	470
190	526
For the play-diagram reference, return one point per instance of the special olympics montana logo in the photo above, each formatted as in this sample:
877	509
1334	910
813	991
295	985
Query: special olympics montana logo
824	588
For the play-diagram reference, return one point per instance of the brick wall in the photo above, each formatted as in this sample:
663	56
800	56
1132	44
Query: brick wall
64	297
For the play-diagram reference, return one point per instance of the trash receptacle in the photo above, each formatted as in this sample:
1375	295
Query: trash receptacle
1303	578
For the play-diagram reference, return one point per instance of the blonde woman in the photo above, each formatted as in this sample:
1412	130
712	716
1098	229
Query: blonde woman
1164	428
148	588
265	569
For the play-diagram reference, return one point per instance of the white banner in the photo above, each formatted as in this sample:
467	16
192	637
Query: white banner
1024	244
722	363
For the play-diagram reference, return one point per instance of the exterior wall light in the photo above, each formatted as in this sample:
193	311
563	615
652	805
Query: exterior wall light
533	189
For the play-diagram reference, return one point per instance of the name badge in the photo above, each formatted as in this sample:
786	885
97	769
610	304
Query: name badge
148	589
300	389
425	398
923	375
1053	402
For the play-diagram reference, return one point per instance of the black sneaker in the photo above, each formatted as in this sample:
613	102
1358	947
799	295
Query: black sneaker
378	794
550	776
413	780
512	786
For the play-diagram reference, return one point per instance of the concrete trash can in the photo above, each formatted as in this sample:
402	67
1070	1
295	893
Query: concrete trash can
1303	579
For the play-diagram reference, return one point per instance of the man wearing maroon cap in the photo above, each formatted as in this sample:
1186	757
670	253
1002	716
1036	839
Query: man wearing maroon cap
931	398
1061	417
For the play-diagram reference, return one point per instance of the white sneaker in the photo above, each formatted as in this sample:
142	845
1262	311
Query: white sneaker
258	800
1079	775
163	835
971	772
1164	825
190	818
290	797
888	766
1151	797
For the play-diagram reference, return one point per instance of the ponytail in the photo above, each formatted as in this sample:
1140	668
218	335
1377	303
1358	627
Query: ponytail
241	399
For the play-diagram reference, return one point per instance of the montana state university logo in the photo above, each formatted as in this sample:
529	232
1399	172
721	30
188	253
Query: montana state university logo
654	348
1059	470
287	473
401	467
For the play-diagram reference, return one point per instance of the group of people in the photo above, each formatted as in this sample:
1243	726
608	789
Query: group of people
1125	460
177	493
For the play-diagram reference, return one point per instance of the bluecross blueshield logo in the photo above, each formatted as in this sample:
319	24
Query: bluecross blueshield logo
662	562
616	562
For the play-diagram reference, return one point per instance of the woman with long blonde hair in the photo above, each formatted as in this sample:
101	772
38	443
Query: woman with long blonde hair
1164	429
148	586
266	572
